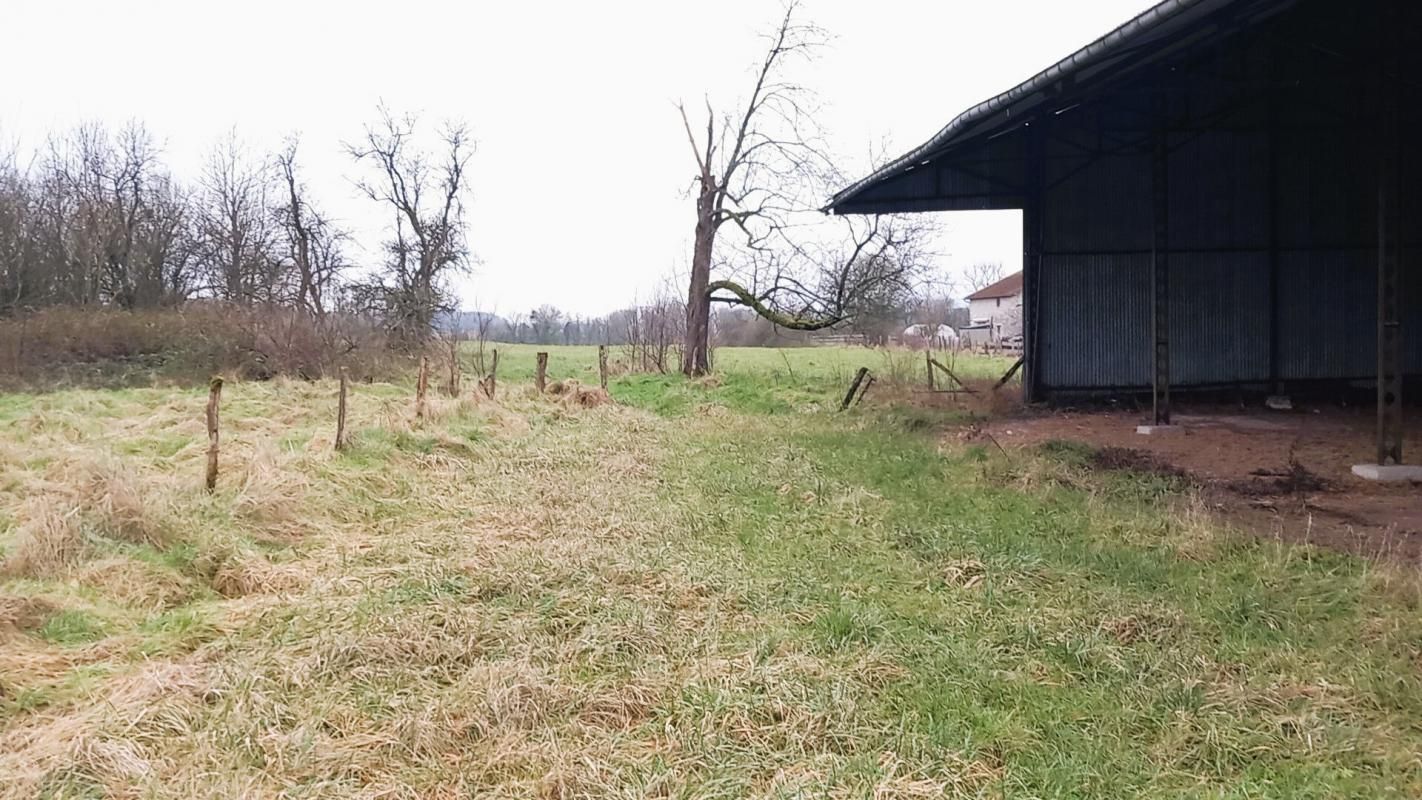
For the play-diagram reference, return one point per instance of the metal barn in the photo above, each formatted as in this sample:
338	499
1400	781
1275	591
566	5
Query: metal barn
1218	193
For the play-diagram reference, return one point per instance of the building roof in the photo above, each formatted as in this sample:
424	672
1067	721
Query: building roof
1011	286
912	182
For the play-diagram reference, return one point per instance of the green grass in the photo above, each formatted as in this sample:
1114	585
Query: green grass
72	628
715	588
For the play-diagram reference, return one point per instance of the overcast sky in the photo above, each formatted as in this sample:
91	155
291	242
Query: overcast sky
580	177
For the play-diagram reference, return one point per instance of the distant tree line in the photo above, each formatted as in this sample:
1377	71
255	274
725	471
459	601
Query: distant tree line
95	219
878	324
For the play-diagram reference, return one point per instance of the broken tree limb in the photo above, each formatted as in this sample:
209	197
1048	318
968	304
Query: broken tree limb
864	391
744	297
854	387
1007	376
214	402
935	362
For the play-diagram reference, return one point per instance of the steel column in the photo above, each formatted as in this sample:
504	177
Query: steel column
1273	183
1389	432
1033	222
1160	278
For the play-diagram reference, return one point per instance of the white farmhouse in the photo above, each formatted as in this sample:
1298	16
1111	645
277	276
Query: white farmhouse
996	310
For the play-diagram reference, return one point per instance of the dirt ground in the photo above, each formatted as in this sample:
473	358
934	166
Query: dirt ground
1276	473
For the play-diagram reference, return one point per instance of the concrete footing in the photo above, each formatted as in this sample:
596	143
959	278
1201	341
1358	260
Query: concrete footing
1279	402
1389	473
1153	430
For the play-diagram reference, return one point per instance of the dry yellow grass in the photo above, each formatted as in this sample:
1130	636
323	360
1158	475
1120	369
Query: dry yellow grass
528	597
373	657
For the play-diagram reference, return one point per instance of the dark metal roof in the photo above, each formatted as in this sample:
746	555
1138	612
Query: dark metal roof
1147	38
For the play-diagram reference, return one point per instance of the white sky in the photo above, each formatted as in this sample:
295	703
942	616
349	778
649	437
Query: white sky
579	182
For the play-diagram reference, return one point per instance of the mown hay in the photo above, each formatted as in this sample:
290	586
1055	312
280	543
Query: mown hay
48	542
575	395
121	507
136	583
242	575
24	613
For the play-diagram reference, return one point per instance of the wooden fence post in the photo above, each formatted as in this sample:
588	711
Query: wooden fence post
928	362
453	387
421	386
854	387
540	377
952	377
867	385
602	366
214	401
341	414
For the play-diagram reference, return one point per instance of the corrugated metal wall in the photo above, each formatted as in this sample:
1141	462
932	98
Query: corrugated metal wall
1240	217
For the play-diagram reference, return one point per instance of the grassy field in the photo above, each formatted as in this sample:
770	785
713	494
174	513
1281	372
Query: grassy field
719	588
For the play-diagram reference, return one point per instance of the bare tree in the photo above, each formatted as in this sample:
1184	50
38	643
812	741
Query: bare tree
651	331
23	280
236	238
744	160
118	224
314	246
547	323
483	330
983	274
756	169
425	194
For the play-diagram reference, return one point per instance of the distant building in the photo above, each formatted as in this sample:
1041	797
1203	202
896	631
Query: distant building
996	310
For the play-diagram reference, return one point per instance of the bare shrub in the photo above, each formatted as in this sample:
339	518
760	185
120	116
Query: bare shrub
653	333
106	346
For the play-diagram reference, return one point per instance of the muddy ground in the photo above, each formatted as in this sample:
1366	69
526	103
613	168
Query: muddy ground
1275	473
